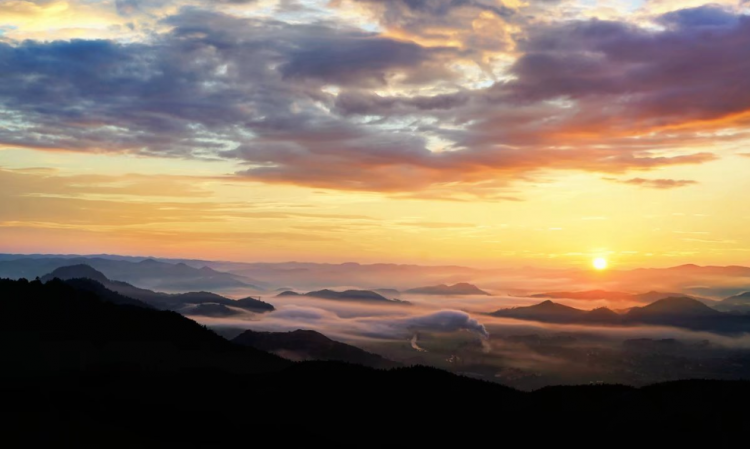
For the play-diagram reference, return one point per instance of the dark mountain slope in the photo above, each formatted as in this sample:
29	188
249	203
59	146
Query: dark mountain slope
180	302
147	273
673	307
192	389
347	295
302	345
544	311
56	327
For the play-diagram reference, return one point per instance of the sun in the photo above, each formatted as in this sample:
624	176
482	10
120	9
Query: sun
600	263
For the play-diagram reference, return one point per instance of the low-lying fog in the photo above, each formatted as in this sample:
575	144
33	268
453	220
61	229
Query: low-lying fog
454	332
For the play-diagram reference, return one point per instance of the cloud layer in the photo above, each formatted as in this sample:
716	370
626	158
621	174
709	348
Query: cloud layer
440	111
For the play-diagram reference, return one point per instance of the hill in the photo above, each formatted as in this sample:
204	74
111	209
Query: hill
673	307
678	312
347	295
459	289
80	371
545	311
56	327
148	273
736	303
303	345
593	295
180	302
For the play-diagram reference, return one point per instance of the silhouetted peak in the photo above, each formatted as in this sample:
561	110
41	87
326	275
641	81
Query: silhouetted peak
79	271
287	293
675	306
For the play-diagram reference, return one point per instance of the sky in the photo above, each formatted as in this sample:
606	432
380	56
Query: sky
475	132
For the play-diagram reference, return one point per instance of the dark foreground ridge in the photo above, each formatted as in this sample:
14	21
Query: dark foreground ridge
304	345
81	372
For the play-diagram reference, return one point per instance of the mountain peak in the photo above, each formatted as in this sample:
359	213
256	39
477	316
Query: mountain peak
681	305
461	288
79	271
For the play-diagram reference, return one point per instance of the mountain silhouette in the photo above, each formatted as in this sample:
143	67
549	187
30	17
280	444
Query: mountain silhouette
742	300
58	327
179	302
673	307
302	345
347	295
544	311
678	312
148	273
79	271
462	288
82	372
594	295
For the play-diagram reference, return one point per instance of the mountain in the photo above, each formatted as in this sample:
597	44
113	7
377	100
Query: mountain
287	293
310	345
347	295
586	295
654	296
743	299
546	311
673	307
179	302
79	271
677	312
459	289
148	273
595	295
79	371
602	315
388	292
57	327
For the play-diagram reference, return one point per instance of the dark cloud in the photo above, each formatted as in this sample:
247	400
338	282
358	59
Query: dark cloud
640	78
347	60
596	96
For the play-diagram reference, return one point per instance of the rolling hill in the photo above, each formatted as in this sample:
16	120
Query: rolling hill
180	302
347	295
303	345
459	289
677	311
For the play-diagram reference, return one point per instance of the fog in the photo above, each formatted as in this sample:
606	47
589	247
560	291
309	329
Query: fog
455	333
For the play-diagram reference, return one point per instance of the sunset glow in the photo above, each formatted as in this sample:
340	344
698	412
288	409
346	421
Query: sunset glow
600	263
452	132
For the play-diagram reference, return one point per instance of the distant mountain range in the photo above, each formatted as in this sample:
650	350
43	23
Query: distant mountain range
79	371
347	295
595	295
459	289
303	345
192	303
674	311
148	273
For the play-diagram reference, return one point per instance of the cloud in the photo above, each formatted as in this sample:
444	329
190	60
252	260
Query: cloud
446	321
656	183
321	104
477	24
